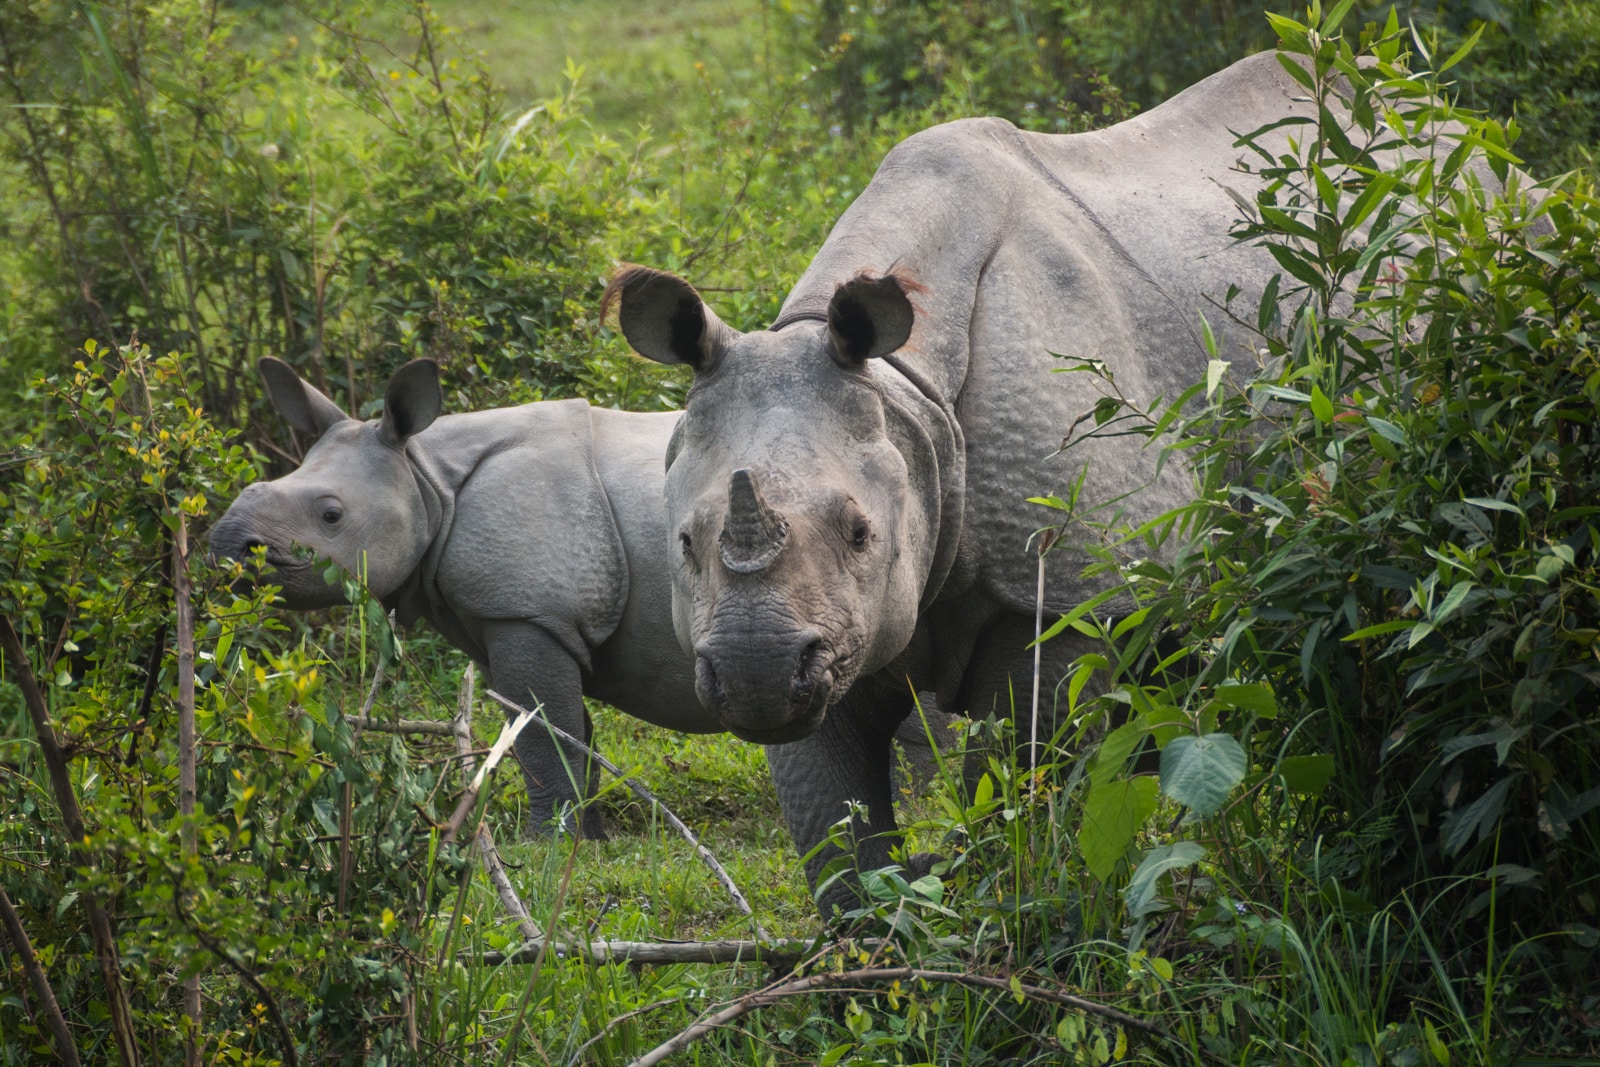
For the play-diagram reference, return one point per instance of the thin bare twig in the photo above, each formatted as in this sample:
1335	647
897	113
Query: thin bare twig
665	1002
775	993
650	798
66	1049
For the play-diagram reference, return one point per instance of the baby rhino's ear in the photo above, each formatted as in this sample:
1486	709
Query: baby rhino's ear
297	400
412	401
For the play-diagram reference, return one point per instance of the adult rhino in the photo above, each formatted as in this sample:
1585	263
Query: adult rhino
846	491
531	537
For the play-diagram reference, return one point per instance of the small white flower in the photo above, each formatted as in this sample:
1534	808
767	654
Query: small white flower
269	151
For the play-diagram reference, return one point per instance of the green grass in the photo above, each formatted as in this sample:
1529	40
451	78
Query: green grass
639	59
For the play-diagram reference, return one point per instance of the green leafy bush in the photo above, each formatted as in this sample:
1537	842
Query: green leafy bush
328	201
1389	597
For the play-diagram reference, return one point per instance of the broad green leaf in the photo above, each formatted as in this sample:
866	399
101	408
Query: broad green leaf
1307	775
1112	814
1387	430
1200	772
1112	756
1491	504
1253	696
1141	890
1215	370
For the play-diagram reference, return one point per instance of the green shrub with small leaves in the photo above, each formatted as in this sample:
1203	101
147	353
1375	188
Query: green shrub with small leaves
1388	591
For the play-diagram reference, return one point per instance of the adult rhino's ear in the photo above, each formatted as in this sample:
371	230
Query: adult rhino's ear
297	400
412	401
868	317
664	319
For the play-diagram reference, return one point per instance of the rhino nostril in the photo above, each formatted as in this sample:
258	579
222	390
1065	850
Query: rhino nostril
812	663
706	684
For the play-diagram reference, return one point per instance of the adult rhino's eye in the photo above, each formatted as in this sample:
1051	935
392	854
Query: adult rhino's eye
860	533
687	543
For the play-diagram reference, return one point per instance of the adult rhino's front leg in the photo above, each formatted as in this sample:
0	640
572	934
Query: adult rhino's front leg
531	667
848	759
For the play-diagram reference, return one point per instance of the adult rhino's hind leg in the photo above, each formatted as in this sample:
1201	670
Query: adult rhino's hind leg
849	758
529	666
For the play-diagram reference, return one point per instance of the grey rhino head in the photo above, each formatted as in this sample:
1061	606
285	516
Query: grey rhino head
801	541
354	500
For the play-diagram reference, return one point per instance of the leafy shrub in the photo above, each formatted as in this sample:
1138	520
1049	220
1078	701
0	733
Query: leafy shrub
1388	598
293	951
330	202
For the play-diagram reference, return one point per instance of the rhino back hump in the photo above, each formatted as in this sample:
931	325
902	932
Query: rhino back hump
1104	246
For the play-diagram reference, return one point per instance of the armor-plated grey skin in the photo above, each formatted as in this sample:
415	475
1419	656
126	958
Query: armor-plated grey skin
846	492
531	537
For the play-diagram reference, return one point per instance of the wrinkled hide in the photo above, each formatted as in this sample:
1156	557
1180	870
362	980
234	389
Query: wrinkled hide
532	538
897	416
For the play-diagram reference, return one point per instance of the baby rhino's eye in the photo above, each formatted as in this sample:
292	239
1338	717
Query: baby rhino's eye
331	515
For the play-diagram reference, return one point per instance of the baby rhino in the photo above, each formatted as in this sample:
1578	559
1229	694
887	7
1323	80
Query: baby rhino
533	538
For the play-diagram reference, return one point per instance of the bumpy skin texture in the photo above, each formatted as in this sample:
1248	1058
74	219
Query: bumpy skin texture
531	537
900	412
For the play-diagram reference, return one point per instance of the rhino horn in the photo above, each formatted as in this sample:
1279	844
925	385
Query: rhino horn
754	533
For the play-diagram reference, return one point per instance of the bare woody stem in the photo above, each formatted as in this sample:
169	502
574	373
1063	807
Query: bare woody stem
182	595
66	1050
55	762
483	840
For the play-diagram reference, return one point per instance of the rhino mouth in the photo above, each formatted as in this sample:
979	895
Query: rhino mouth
819	677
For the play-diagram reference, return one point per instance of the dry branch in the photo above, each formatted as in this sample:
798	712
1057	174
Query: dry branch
811	983
183	603
403	726
781	954
469	798
483	840
66	1050
55	762
650	798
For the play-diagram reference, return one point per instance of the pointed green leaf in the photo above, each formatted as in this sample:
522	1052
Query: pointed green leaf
1141	890
1307	775
1112	814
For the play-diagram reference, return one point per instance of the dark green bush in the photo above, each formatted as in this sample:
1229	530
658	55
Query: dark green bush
1391	595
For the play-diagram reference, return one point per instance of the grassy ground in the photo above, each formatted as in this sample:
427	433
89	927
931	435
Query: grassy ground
639	60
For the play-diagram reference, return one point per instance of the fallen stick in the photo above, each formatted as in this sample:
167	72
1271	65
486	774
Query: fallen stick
781	954
775	993
403	726
648	797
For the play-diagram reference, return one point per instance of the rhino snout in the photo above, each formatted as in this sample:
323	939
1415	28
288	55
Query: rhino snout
759	703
